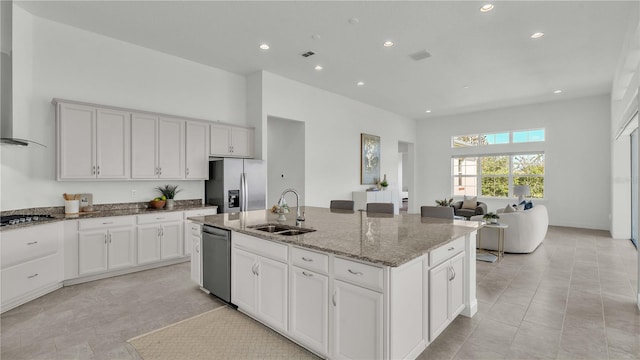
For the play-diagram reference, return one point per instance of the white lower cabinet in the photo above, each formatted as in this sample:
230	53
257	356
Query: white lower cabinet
189	227
446	294
103	250
260	286
105	246
357	321
309	308
195	238
160	237
31	263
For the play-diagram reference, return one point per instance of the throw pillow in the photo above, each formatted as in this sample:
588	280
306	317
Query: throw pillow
470	202
509	209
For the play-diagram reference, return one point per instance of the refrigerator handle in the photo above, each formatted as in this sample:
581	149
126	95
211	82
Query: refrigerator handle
243	192
246	192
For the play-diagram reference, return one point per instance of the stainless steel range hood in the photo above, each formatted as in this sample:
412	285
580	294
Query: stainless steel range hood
6	78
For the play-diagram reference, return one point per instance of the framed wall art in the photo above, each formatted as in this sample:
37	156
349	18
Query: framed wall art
370	159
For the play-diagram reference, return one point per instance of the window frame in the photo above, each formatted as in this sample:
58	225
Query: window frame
510	176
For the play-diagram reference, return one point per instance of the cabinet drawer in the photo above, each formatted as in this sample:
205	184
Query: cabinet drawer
446	251
195	229
30	243
32	275
259	246
310	260
200	212
160	217
105	222
359	273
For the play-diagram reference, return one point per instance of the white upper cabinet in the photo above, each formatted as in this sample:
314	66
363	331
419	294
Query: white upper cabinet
157	147
231	141
112	144
93	143
144	145
197	154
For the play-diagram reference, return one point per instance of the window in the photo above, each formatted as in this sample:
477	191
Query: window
464	141
519	136
495	175
465	178
494	139
528	136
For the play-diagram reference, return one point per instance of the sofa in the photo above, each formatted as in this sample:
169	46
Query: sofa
527	229
481	209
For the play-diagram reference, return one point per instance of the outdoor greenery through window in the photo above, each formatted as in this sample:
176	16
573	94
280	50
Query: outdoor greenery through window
495	175
520	136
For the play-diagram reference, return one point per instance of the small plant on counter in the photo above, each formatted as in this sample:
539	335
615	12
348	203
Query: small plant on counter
168	191
445	202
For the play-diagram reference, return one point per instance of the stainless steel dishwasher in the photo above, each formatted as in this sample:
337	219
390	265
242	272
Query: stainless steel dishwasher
216	262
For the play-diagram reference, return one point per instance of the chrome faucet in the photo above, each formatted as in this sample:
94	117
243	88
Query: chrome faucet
282	202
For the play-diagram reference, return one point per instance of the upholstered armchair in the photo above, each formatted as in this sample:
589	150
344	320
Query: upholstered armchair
480	209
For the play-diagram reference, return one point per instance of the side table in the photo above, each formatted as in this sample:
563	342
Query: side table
500	228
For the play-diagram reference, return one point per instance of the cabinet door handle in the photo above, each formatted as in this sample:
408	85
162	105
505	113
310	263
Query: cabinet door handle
187	171
107	223
307	259
159	218
159	171
253	269
451	248
452	272
155	172
32	276
98	169
307	274
109	238
32	243
105	238
93	170
257	269
356	272
333	298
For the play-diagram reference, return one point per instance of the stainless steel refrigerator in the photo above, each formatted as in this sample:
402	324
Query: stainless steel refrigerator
236	185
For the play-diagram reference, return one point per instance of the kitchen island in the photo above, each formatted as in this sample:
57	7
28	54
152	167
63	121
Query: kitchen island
359	286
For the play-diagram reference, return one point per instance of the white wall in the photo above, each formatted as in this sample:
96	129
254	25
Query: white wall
55	60
577	155
624	101
333	125
286	165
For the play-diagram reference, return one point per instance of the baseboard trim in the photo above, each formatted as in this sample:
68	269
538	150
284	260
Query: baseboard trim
32	295
108	274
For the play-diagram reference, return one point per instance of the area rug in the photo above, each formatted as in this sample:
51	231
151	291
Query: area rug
222	333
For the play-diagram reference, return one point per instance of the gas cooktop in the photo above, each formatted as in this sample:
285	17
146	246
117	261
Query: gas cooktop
19	218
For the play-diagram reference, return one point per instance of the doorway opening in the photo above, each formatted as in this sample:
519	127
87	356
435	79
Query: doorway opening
285	158
406	176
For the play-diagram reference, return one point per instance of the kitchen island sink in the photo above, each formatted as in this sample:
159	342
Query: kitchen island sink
281	229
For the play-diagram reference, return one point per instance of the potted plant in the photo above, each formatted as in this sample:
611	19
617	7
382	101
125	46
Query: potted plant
446	202
384	182
491	218
168	193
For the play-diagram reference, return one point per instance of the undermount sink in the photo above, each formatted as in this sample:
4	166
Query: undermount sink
282	230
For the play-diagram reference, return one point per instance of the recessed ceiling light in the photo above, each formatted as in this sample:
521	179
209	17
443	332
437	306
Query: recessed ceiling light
264	46
557	91
354	20
486	7
315	37
428	111
318	67
388	44
466	87
360	83
537	35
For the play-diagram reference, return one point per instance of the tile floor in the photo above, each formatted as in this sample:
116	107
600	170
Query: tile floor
94	320
573	298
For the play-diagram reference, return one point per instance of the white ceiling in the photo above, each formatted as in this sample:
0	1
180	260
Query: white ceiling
491	53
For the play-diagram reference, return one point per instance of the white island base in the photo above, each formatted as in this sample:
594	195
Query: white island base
341	308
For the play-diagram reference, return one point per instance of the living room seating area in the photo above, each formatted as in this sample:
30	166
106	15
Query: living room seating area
525	232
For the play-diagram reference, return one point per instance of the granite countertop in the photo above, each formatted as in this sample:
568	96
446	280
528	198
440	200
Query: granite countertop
103	210
377	238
